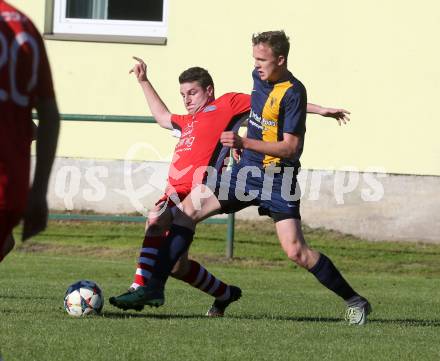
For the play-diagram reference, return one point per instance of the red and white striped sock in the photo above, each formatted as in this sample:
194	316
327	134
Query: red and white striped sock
147	259
205	281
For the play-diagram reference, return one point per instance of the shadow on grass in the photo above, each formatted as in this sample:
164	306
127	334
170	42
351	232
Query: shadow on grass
402	322
407	322
133	314
160	316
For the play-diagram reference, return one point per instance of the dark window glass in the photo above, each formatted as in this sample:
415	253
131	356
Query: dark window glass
136	10
141	10
79	9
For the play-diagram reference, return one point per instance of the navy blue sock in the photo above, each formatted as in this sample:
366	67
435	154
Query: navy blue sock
326	273
176	243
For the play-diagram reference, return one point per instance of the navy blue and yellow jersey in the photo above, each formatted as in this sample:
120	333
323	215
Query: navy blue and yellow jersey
276	108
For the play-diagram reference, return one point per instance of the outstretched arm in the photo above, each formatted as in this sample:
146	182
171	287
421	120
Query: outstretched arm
157	106
35	218
341	115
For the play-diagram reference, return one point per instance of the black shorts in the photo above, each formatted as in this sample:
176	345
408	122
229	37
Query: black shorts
274	190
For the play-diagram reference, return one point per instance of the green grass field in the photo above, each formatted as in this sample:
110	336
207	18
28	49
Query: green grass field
284	313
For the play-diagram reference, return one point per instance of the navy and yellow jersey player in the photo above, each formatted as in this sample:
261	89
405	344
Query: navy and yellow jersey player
276	108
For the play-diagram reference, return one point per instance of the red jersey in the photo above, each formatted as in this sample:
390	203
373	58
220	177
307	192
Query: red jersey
199	145
24	77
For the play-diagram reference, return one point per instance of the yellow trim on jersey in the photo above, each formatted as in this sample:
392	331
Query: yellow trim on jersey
270	114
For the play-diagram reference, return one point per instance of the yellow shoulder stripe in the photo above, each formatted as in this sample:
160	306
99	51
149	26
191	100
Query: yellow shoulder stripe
270	116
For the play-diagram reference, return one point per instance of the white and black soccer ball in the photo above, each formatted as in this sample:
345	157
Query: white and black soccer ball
83	298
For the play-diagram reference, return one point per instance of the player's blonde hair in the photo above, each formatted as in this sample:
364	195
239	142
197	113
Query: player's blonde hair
278	41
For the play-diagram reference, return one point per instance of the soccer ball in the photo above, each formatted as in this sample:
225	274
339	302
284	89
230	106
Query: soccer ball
83	298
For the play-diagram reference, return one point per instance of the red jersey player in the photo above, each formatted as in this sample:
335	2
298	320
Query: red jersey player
198	148
25	83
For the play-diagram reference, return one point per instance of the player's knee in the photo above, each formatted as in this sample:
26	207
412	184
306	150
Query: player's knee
297	254
152	222
294	254
154	226
157	224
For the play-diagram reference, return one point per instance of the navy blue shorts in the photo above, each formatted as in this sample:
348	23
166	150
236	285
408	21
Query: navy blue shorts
274	190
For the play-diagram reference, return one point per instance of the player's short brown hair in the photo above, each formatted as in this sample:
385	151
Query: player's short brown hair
278	41
197	74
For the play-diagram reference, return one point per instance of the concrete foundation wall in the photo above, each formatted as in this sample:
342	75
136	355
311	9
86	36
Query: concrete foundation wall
371	205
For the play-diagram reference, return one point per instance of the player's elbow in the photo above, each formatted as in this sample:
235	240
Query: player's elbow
290	147
290	152
164	120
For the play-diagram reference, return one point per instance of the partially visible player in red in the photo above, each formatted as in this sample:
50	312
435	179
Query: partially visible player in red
25	83
198	148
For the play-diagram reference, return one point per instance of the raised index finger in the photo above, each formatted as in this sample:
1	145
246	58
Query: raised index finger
138	59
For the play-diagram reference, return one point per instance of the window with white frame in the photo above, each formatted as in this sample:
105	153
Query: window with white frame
139	21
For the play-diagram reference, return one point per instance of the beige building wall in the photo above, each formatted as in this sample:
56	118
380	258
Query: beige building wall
379	59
